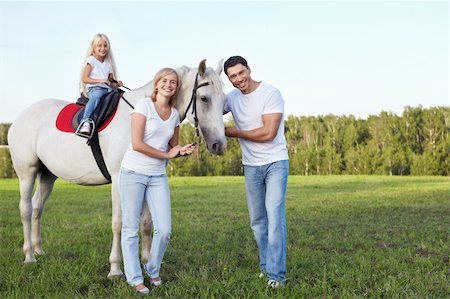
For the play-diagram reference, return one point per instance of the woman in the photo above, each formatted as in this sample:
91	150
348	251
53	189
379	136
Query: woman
154	140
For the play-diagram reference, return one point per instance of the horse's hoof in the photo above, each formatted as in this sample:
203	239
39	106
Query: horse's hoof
39	252
29	261
116	275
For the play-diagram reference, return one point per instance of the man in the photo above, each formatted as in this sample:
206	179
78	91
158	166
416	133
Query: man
257	109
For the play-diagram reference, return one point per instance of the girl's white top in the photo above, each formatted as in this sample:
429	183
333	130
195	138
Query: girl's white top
100	70
157	134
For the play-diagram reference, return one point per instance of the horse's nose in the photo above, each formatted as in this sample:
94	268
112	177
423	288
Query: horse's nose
218	148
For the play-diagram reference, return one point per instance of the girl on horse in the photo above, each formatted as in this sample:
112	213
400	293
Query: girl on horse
97	78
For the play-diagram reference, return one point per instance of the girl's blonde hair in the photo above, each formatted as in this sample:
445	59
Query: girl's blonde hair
158	76
109	57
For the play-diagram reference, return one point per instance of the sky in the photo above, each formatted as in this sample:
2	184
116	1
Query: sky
326	57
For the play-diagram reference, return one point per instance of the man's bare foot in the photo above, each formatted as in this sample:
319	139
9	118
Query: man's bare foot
156	281
141	288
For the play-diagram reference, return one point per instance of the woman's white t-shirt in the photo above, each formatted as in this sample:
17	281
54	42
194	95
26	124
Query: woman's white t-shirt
157	134
100	70
247	110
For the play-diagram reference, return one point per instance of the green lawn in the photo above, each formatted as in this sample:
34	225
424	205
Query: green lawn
348	236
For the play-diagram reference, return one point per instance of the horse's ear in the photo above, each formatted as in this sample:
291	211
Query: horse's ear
219	67
202	67
181	71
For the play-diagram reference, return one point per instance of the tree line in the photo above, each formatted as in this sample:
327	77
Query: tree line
414	143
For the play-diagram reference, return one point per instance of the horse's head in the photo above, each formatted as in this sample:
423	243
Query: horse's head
201	99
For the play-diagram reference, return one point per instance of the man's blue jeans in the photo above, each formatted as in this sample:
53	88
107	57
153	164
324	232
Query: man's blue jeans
266	200
134	189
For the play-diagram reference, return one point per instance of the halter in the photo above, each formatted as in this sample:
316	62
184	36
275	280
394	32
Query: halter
193	102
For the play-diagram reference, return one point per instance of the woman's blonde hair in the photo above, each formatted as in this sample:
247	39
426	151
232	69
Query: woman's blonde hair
109	57
158	76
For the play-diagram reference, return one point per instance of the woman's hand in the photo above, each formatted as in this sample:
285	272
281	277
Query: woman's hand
188	149
173	152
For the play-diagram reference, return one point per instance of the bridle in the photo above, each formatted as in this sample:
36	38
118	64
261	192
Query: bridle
193	102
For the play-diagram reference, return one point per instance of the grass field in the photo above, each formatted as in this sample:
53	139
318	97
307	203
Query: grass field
348	236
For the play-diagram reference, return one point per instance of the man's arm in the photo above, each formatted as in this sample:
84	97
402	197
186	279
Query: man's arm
268	132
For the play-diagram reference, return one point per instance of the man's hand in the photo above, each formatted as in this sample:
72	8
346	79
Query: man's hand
231	132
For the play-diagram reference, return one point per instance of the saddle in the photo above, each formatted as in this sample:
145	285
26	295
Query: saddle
70	116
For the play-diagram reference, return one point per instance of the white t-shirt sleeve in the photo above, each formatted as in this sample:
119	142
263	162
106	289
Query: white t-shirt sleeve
90	60
274	104
142	108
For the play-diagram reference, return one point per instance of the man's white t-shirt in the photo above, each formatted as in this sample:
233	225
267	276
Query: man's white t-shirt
247	110
100	70
157	134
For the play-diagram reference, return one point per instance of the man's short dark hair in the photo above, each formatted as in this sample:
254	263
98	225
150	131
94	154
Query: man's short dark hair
232	61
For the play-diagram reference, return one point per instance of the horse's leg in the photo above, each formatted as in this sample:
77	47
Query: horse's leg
146	231
26	181
115	257
46	180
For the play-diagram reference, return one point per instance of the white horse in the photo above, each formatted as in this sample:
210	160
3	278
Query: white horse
39	150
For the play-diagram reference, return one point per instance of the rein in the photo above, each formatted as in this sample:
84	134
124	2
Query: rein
123	98
193	102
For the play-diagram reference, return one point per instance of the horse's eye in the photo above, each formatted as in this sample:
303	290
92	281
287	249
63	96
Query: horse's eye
204	99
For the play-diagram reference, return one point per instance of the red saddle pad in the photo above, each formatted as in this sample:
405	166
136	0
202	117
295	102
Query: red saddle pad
67	120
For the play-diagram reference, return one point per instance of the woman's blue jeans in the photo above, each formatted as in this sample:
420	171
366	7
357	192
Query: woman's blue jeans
266	200
134	188
94	95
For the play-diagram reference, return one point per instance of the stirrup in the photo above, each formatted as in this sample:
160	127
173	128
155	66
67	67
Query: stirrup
84	135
